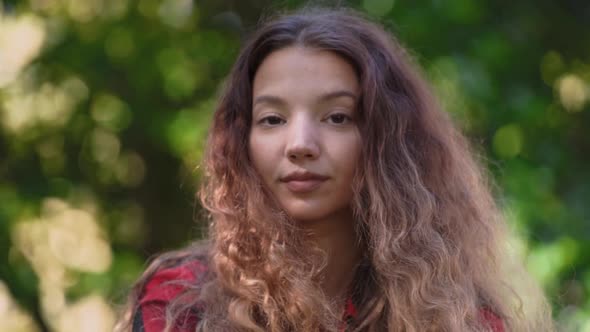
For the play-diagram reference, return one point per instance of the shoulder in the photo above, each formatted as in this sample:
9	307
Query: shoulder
492	320
162	288
167	283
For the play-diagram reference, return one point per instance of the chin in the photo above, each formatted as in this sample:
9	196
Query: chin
304	216
312	209
305	213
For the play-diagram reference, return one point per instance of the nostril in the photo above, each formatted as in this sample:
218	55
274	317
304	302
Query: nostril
301	151
295	156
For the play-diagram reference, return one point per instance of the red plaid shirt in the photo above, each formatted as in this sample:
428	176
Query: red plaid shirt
163	287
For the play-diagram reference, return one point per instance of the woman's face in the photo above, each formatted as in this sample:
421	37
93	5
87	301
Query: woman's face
304	140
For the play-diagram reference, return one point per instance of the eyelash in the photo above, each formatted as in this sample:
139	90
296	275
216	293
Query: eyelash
346	119
265	120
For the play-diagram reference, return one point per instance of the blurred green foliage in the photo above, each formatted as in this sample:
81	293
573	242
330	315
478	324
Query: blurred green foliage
104	106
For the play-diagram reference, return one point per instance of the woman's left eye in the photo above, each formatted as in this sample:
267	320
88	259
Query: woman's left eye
339	118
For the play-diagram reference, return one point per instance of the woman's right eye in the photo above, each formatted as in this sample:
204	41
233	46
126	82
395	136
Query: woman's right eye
271	120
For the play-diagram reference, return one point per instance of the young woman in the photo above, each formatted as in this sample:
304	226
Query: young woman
341	198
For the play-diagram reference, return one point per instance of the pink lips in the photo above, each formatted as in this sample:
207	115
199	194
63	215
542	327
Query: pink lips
303	181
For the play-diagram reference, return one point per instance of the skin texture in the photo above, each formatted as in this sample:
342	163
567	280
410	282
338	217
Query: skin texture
295	128
304	109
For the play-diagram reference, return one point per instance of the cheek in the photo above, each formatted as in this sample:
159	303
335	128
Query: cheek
263	156
346	155
254	152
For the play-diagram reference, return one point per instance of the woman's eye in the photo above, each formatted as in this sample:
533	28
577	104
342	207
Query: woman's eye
339	118
271	120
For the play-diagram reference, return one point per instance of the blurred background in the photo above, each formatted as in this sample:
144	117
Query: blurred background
104	106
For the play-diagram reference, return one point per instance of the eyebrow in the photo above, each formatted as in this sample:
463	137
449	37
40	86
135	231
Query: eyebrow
275	100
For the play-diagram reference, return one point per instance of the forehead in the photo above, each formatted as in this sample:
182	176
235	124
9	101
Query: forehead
298	72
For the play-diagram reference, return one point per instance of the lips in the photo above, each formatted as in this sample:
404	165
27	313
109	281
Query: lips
303	182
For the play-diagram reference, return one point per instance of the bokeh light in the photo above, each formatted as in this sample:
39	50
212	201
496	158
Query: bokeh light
12	317
61	241
21	39
573	92
508	141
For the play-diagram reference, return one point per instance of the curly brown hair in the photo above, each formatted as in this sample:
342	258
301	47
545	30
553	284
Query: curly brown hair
434	240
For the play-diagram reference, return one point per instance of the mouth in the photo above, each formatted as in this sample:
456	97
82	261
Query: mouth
303	182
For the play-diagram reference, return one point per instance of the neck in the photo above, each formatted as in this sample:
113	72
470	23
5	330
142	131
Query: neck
336	237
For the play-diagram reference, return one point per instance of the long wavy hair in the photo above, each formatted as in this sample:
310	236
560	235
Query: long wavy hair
434	242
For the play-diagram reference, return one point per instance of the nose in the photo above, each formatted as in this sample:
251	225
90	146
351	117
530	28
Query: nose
302	142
